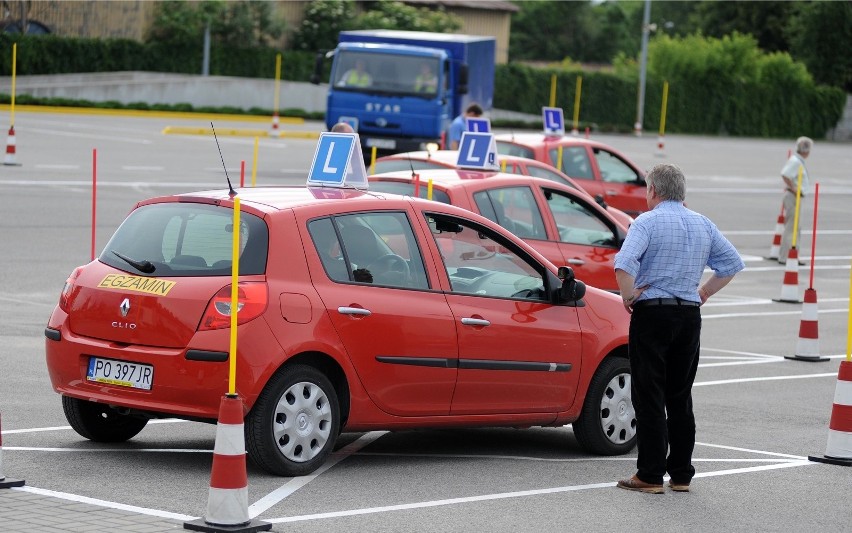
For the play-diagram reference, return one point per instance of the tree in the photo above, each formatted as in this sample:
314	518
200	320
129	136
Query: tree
242	24
765	20
322	21
392	15
543	30
818	32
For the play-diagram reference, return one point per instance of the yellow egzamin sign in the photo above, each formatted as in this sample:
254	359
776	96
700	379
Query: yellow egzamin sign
159	287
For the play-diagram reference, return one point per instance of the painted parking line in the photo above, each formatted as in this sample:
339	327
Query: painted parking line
105	503
769	313
507	495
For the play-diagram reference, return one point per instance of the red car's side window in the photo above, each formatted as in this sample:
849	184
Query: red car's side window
575	162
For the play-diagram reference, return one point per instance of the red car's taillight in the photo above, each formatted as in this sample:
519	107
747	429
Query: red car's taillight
251	303
66	295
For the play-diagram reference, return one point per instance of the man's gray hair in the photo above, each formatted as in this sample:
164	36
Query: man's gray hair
669	182
804	145
342	127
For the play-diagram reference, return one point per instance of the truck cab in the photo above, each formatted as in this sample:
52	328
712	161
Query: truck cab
401	89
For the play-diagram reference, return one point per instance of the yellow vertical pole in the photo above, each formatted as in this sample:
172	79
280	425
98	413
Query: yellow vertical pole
14	64
429	189
503	166
373	161
277	82
235	278
559	158
798	202
553	90
577	102
254	163
665	105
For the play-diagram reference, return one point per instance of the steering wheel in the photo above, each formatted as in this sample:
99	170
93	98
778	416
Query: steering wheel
389	263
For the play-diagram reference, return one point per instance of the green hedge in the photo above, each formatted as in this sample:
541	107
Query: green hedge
716	86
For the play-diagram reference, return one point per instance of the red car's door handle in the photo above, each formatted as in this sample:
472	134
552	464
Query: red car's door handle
353	311
576	261
475	322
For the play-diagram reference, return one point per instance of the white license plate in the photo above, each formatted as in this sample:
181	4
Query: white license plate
121	373
385	144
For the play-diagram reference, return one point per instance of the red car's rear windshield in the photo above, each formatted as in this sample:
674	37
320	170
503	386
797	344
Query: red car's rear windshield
185	239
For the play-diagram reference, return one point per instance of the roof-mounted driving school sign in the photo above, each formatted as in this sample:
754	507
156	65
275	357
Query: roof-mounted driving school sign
338	162
477	124
554	122
477	151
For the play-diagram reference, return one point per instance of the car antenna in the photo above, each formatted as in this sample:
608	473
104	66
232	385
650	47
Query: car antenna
231	191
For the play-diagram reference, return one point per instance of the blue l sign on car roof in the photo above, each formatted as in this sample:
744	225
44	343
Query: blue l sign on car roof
478	125
338	162
477	150
554	122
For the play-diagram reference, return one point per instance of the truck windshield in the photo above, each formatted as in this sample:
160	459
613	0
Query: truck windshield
386	73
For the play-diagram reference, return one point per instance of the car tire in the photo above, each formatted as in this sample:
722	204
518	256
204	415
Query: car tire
294	424
100	422
607	423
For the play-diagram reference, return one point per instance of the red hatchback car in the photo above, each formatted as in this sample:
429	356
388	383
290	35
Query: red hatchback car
563	224
597	167
508	163
357	311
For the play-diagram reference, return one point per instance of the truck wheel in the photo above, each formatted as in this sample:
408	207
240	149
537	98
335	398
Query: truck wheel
99	422
607	423
292	428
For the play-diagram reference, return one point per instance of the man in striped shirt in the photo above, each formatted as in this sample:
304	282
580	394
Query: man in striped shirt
659	269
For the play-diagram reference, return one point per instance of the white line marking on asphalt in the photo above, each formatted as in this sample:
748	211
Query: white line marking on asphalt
142	168
80	135
277	495
127	184
749	450
105	503
66	428
759	301
506	495
766	378
107	450
781	267
57	167
808	231
769	313
738	352
549	459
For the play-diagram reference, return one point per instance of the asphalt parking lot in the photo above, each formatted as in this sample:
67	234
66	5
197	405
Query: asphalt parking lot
759	415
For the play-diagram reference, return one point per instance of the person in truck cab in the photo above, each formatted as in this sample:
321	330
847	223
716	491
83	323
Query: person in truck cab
356	77
426	81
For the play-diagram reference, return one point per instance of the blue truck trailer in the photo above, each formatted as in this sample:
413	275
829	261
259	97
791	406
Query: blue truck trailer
401	89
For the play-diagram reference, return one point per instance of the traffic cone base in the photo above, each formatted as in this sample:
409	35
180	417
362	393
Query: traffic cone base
660	146
227	503
838	450
790	286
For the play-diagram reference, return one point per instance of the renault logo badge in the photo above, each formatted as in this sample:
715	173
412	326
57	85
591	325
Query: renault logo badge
125	306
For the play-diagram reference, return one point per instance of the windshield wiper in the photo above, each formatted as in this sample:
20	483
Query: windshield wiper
146	267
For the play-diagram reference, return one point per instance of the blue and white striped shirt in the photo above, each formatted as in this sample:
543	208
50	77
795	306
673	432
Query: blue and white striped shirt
667	248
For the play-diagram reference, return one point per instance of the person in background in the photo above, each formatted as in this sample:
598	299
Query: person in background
790	176
659	269
342	127
356	77
426	81
457	127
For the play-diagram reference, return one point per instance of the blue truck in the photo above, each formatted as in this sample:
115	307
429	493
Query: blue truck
401	89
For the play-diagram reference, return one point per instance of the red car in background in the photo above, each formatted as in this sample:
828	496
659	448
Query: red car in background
563	224
599	168
508	163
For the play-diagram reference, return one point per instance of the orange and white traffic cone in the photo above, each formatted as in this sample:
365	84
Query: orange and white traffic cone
10	149
5	482
790	287
227	502
807	348
776	240
275	131
838	451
